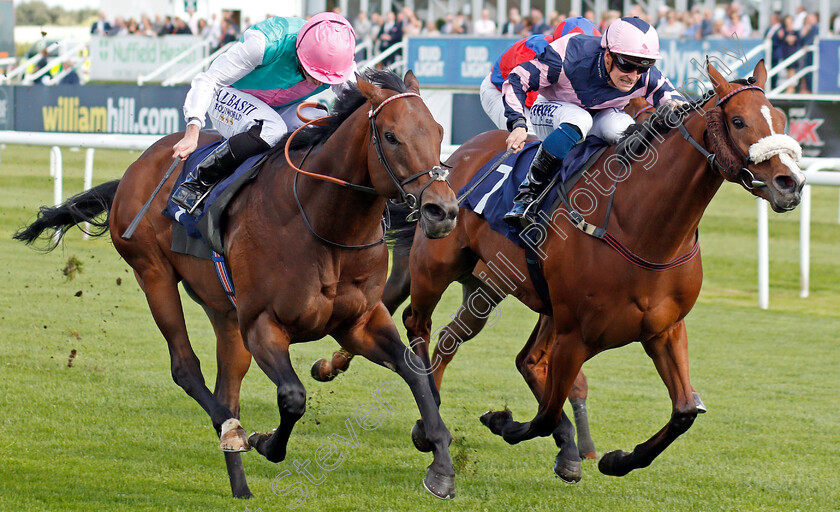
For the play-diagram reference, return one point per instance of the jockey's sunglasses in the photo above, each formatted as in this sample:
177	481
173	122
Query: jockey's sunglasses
625	66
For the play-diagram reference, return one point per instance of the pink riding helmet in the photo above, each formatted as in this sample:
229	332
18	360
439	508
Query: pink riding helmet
632	37
326	46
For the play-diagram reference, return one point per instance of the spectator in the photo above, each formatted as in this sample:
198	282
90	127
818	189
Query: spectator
513	25
101	26
168	27
132	27
119	27
693	20
835	25
362	26
608	17
485	26
672	26
230	32
376	22
181	27
391	34
810	31
590	15
71	78
735	27
789	43
192	20
799	18
538	25
746	23
707	26
431	29
461	25
412	26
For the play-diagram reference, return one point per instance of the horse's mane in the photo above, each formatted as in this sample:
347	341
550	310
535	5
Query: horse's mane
348	101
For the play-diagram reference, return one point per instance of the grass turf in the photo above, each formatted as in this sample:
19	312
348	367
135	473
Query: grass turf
113	432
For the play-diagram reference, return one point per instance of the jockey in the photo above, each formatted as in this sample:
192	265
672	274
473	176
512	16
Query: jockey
250	92
584	84
520	52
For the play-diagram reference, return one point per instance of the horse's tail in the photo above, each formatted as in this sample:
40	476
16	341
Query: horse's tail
400	234
84	207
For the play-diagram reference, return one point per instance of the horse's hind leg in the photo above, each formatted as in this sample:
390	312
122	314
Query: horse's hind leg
269	344
465	325
377	339
577	397
670	355
233	361
158	281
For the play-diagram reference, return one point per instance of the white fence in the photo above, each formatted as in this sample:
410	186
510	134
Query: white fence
815	174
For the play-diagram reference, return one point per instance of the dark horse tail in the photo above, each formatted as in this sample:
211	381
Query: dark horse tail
84	207
400	233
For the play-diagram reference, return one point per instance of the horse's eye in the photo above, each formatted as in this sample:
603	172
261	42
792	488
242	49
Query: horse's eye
391	138
738	123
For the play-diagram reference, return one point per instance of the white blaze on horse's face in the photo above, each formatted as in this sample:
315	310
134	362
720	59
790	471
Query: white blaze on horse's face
778	144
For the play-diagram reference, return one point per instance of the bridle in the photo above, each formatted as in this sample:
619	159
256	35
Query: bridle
436	173
744	175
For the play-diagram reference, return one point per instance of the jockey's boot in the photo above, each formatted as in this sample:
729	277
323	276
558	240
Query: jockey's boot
541	171
216	166
546	163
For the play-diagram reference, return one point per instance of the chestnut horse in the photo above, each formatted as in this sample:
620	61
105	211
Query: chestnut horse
606	295
299	276
466	324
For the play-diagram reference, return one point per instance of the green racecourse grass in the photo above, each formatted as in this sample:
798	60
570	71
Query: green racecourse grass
113	432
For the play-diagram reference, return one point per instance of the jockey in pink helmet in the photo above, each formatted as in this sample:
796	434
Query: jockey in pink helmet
584	84
251	92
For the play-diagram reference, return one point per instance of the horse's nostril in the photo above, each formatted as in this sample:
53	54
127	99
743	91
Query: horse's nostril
785	183
433	212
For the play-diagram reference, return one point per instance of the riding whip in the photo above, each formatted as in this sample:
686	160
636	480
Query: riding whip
489	171
142	212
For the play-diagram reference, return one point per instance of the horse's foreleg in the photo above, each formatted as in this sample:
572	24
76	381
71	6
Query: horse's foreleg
269	344
378	340
577	397
233	361
670	355
395	292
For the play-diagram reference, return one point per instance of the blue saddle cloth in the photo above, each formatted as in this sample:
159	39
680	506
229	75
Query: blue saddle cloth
179	214
494	196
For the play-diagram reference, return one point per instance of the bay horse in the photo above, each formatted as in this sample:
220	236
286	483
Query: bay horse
607	295
305	256
466	324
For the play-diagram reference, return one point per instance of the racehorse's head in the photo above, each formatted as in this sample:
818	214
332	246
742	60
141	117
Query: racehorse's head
404	156
747	134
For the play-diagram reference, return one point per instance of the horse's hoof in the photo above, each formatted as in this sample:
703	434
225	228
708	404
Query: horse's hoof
589	456
442	486
244	495
698	403
418	437
258	440
496	420
318	372
610	463
567	470
233	438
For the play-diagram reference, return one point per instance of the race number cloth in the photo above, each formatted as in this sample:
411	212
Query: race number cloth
205	227
494	196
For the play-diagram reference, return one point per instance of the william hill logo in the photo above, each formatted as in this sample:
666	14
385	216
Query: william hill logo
117	116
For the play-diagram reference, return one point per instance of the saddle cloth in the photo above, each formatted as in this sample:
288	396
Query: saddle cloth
494	196
206	227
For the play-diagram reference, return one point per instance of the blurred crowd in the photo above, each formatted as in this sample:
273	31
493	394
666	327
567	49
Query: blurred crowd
218	30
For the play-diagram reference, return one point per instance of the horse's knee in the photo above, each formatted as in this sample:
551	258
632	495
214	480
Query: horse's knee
291	400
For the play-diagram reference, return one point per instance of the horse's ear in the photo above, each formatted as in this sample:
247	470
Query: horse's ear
719	83
373	93
760	74
411	82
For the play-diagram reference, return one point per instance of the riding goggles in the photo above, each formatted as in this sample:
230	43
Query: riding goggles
626	66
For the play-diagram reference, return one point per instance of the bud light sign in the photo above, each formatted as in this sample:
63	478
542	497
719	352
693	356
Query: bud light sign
454	61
